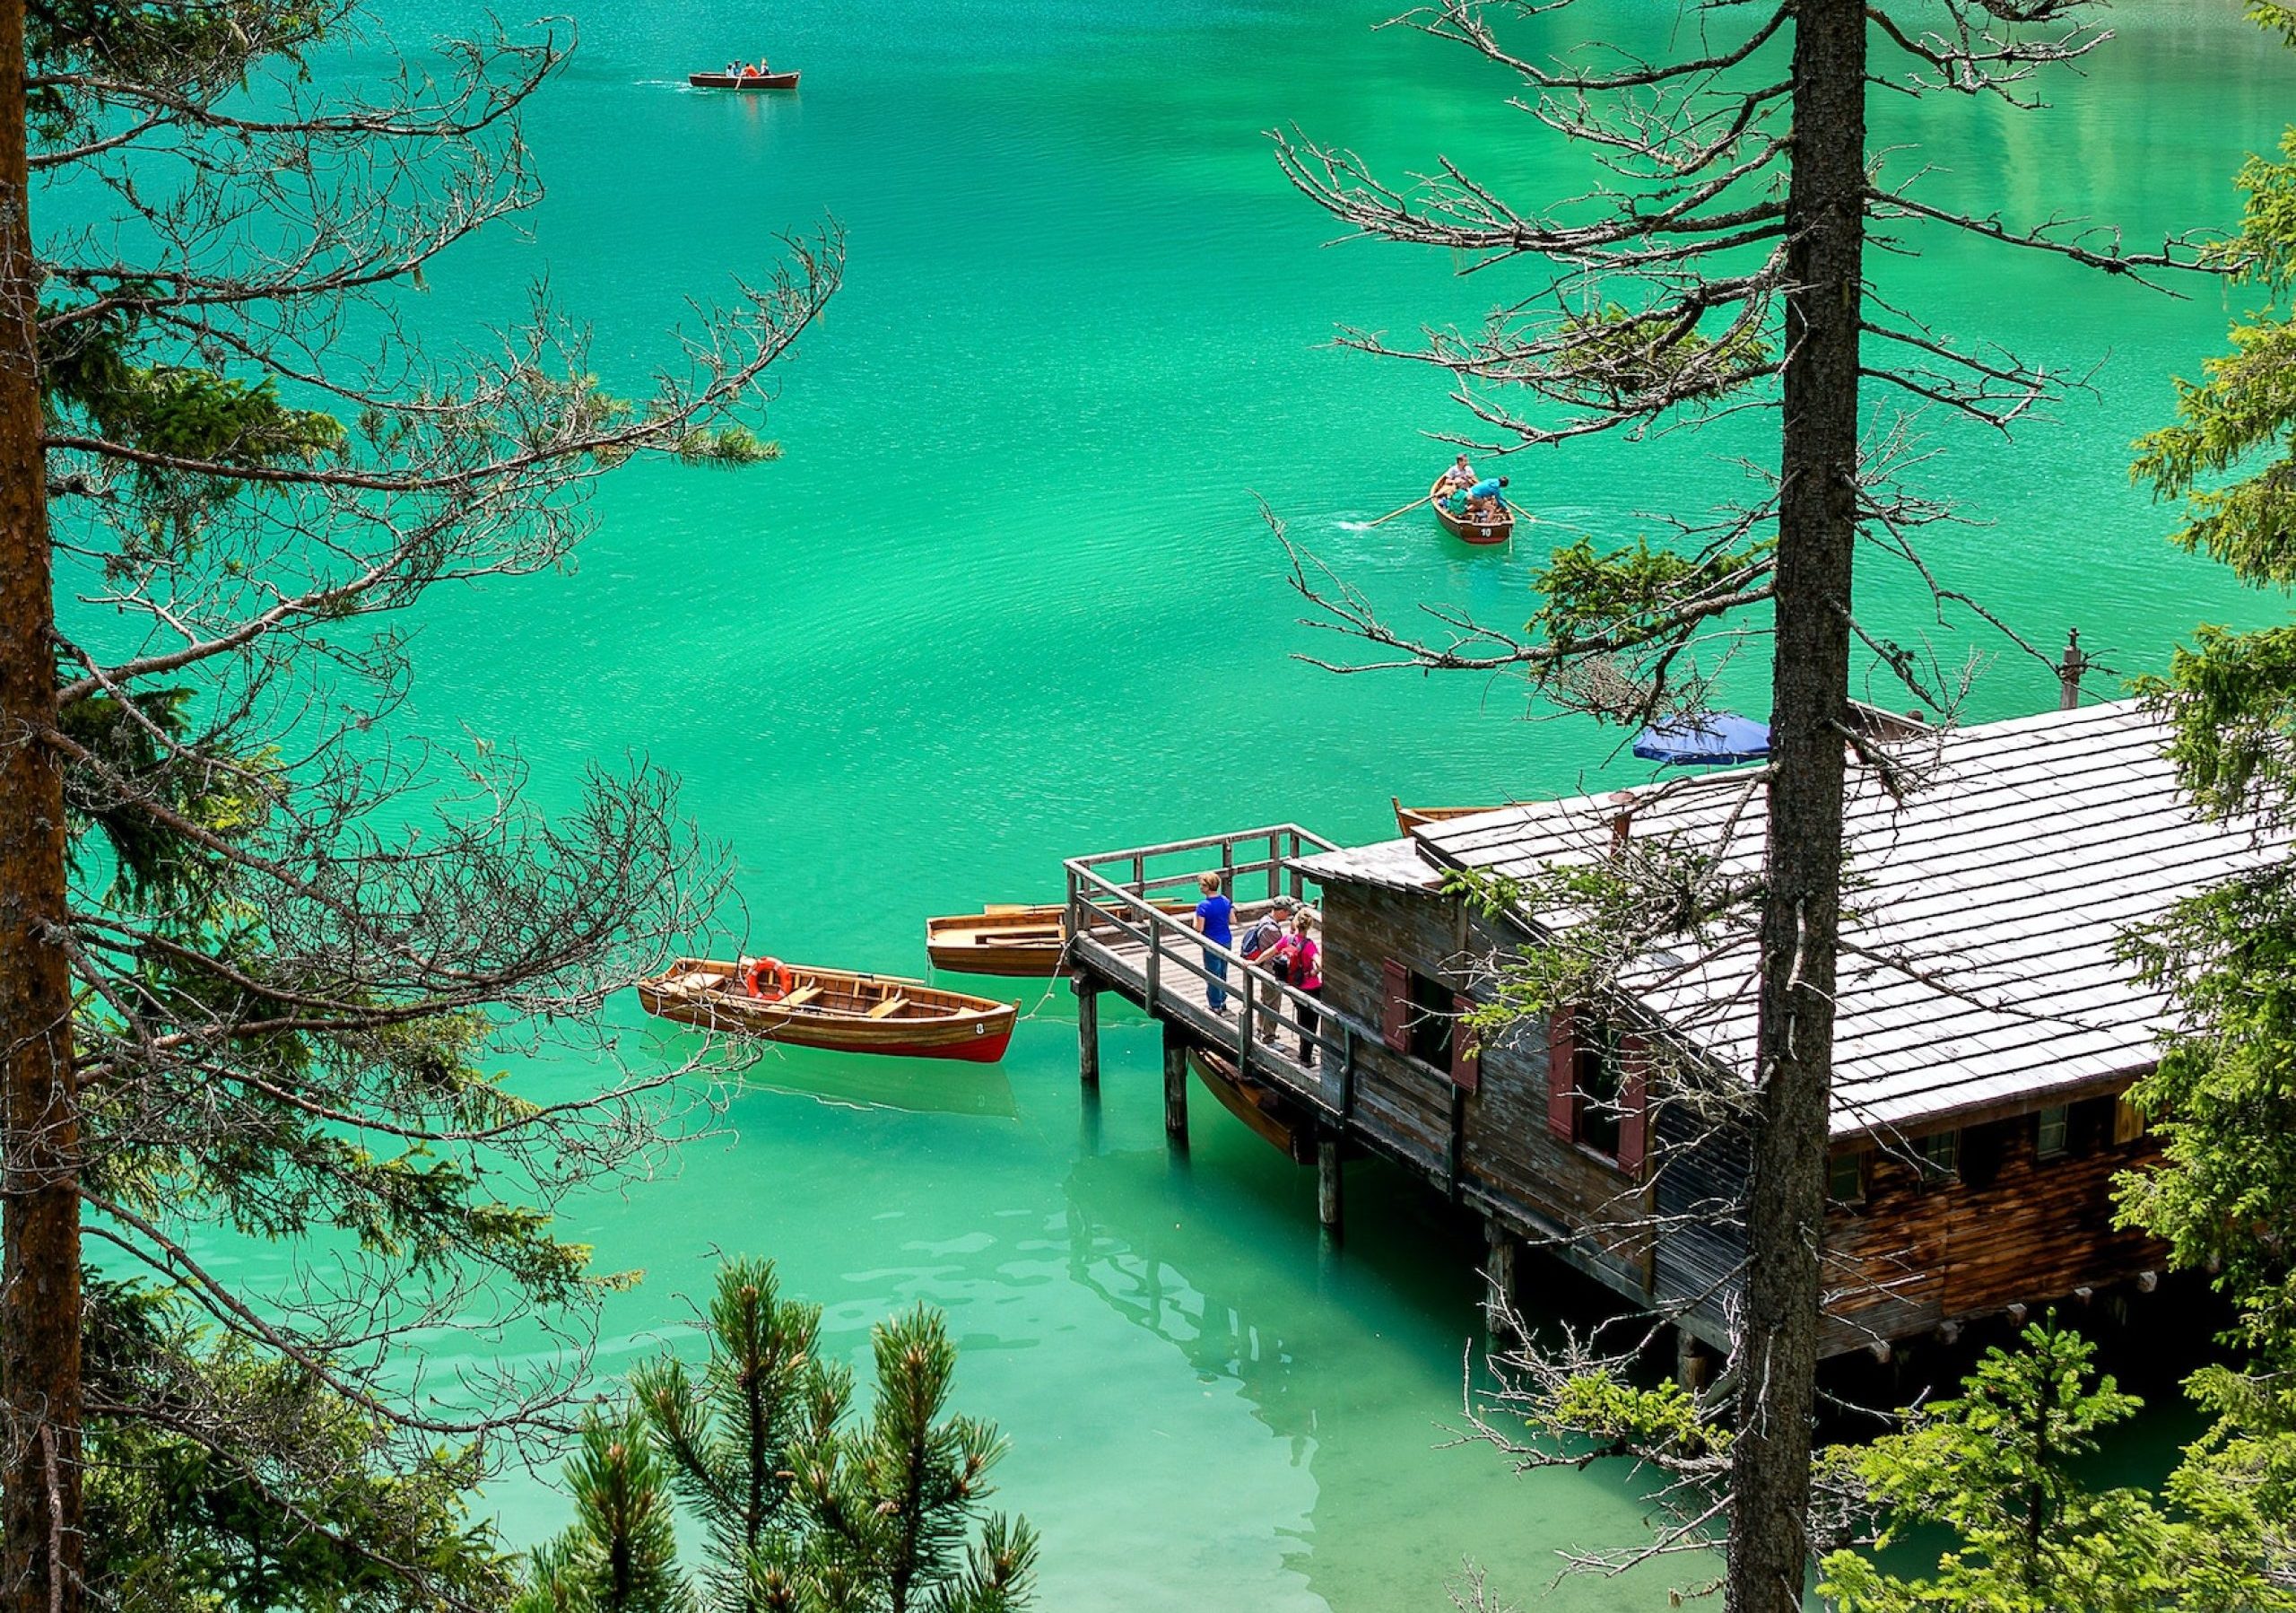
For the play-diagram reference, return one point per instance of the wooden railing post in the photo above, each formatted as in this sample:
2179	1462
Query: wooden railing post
1139	876
1244	1020
1156	958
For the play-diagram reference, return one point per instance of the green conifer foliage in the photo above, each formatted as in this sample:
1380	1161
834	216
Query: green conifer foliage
621	1554
803	1509
1999	1468
2222	1098
730	1436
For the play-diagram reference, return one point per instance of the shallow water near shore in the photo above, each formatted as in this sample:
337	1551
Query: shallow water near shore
1010	598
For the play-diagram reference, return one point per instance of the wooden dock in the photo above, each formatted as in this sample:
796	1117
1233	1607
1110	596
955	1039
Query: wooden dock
1122	941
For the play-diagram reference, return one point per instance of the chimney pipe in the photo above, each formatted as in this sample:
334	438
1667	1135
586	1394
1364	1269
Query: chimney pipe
2069	671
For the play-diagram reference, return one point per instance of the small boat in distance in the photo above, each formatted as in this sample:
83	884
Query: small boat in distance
741	80
842	1010
1005	938
1408	818
1467	531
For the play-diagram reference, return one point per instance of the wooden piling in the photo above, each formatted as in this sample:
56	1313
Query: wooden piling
1502	1256
1328	1203
1691	1361
1088	1029
1175	1086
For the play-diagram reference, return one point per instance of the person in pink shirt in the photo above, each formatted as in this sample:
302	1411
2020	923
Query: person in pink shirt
1303	966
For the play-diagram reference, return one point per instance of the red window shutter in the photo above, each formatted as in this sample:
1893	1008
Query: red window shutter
1394	1016
1466	1058
1634	1103
1561	1075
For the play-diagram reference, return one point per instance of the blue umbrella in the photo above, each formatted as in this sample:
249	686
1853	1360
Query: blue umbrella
1720	736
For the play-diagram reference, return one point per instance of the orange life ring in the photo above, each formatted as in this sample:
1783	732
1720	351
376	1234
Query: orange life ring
756	978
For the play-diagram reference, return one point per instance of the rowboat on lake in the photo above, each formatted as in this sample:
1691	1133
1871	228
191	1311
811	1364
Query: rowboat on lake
741	80
1005	938
1266	1112
1494	531
839	1010
1408	818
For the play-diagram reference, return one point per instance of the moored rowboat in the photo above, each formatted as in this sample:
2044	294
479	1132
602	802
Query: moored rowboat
1408	818
1267	1113
741	80
1473	532
1005	938
840	1009
1002	938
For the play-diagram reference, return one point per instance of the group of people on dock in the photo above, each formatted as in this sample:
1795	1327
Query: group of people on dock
1471	497
1281	940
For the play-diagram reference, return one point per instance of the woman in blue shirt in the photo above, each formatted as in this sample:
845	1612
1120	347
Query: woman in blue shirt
1211	917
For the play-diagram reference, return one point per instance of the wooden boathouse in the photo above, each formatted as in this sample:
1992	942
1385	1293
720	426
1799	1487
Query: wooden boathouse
1986	1028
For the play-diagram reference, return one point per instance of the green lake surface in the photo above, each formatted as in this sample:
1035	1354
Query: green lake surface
1009	597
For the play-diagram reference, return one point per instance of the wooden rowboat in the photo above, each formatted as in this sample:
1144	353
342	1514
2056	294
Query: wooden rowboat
1473	532
838	1009
741	80
1408	818
1266	1112
1005	938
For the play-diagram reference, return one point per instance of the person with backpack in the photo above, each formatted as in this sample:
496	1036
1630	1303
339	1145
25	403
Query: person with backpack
1262	944
1303	959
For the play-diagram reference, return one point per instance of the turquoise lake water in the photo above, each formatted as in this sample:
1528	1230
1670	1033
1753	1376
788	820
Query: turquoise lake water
1009	597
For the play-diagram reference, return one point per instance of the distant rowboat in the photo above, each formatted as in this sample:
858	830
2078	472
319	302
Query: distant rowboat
1473	532
741	80
1408	818
839	1010
1004	940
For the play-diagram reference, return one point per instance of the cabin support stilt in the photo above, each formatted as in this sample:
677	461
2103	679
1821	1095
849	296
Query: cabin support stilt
1088	1029
1175	1086
1691	1361
1328	1204
1502	1266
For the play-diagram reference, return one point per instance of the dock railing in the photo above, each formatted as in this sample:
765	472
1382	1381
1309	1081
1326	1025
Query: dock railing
1120	897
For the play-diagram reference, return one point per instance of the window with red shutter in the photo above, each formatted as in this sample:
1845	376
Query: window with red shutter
1395	1006
1561	1075
1634	1103
1466	1058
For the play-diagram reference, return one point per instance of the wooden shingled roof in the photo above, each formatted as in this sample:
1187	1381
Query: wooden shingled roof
1978	974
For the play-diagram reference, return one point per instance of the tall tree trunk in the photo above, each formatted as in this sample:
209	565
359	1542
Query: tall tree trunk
1816	538
39	1225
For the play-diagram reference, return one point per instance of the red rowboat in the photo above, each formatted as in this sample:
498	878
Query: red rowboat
1473	532
838	1009
741	80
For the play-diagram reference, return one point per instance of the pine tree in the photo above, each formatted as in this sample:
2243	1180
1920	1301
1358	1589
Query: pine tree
907	1485
1998	1467
731	1439
621	1554
804	1511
